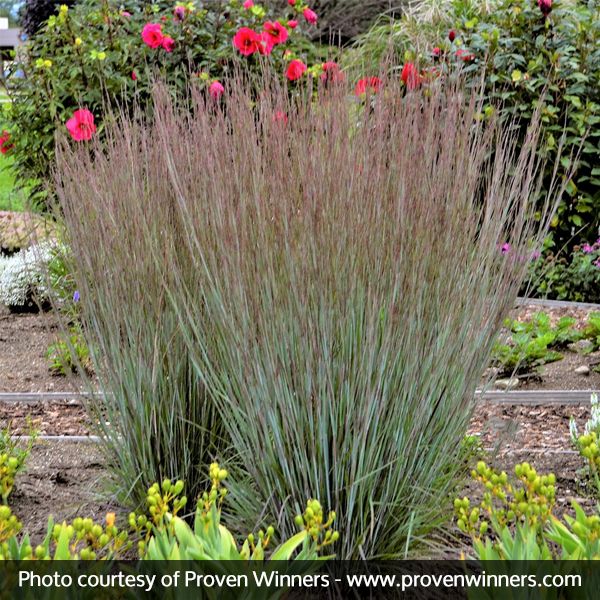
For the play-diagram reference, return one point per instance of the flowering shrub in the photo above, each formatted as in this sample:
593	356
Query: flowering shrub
97	52
575	277
23	283
531	52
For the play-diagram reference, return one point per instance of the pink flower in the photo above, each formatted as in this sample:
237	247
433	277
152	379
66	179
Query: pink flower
451	35
310	16
248	4
152	35
331	72
587	249
410	76
81	125
292	23
125	14
295	70
5	144
168	43
545	6
505	248
276	31
216	90
436	52
179	13
291	2
367	84
246	41
133	75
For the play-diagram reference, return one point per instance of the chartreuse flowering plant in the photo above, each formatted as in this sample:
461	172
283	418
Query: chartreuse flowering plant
13	456
588	443
168	537
97	53
515	520
162	534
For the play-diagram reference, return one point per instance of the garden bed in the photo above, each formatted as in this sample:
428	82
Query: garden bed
65	478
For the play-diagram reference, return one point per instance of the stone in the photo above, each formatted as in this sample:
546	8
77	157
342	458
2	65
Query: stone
581	346
582	370
507	384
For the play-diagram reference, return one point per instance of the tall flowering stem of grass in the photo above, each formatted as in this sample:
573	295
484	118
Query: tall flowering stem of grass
336	277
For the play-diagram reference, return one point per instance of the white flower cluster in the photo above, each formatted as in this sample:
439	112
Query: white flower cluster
593	423
23	277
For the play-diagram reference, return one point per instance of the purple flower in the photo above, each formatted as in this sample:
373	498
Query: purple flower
587	248
535	255
76	296
505	249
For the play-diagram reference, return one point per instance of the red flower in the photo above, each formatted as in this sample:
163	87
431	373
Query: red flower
81	125
265	43
168	44
367	84
5	144
410	76
276	31
545	7
451	35
291	2
292	24
436	52
216	90
152	35
295	70
246	41
465	55
248	4
332	72
133	75
310	16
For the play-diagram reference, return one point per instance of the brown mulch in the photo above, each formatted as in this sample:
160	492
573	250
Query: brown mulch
47	418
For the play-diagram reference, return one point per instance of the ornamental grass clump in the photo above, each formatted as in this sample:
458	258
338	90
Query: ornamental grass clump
335	271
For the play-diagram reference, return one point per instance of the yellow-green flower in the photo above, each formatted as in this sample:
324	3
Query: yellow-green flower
78	41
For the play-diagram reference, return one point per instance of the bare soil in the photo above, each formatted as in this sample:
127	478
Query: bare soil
24	342
62	480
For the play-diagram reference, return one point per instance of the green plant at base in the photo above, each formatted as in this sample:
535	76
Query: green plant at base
516	522
531	342
163	535
12	459
168	537
69	355
591	330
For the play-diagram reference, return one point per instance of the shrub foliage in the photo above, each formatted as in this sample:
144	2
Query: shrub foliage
528	55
